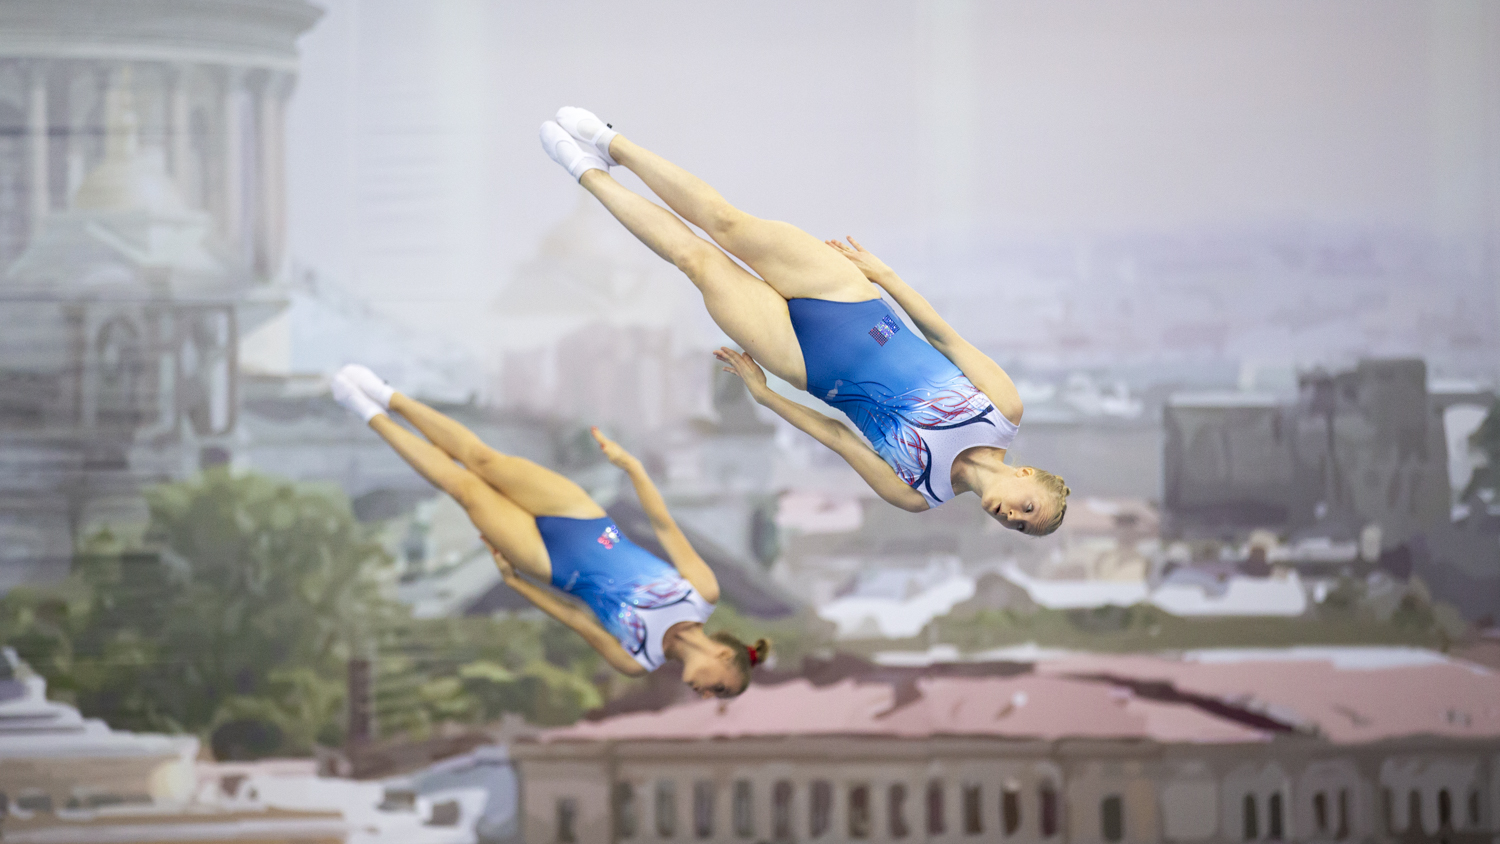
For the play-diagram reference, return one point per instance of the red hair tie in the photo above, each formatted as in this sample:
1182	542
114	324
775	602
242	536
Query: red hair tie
754	657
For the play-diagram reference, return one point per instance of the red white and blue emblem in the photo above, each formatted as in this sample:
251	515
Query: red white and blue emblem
885	330
609	537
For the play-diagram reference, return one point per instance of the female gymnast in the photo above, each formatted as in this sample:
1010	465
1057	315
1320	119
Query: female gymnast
540	524
939	414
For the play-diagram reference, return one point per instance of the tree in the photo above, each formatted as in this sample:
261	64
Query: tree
250	596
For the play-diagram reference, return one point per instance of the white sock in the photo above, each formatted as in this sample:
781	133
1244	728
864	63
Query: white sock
565	150
369	383
586	127
346	393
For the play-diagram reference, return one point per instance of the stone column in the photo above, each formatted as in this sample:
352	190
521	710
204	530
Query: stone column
60	119
232	201
37	136
272	125
180	132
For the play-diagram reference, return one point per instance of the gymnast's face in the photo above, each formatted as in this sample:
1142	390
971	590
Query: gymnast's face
1015	499
714	676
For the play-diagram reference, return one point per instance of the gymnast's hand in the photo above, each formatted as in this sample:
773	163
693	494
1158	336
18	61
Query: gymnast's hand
614	452
874	269
746	368
507	571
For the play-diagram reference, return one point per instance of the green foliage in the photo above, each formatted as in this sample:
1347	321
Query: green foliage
1350	615
239	621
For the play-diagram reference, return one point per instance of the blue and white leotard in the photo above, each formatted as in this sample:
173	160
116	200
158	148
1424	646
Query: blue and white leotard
636	595
915	407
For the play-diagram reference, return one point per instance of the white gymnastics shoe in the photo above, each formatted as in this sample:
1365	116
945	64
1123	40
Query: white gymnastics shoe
565	150
586	127
369	383
350	396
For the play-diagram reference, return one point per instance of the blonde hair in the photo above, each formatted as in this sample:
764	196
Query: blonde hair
741	656
1060	491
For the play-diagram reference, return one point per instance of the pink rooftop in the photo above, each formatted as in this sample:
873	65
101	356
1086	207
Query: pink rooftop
1250	698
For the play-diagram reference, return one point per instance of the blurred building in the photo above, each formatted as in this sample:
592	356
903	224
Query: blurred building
141	194
1352	744
51	757
1353	448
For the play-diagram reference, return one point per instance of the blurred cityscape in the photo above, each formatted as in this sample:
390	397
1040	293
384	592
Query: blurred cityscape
229	613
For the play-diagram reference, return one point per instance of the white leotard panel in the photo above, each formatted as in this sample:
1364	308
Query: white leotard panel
658	621
945	445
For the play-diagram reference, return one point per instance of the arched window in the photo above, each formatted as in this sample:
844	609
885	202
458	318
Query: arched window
744	808
1473	809
1112	818
859	811
820	818
1010	809
666	808
936	823
1445	809
703	808
1274	829
567	820
1414	810
1342	831
973	811
1320	812
625	811
1250	818
895	803
1047	797
781	810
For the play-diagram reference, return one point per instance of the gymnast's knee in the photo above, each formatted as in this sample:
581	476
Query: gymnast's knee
694	258
724	221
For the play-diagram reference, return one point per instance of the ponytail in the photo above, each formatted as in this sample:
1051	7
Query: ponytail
745	656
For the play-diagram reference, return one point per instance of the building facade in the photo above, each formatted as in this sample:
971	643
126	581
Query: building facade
141	230
1060	753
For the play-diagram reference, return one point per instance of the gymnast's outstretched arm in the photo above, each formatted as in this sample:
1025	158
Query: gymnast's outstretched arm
679	550
828	431
985	374
579	620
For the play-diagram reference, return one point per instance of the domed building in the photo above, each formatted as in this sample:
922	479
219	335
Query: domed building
141	234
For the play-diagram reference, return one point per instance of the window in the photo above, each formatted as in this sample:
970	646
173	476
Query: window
781	811
1342	831
625	812
1388	805
973	820
1273	821
1250	818
1047	796
666	808
1473	809
1320	811
1112	818
703	809
821	816
567	820
1445	809
1414	810
935	822
859	811
1010	808
744	808
895	803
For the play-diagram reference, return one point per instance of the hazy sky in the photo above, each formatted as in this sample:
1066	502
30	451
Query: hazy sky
416	176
